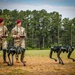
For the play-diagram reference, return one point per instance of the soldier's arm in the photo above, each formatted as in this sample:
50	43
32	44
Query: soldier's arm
24	33
13	33
6	31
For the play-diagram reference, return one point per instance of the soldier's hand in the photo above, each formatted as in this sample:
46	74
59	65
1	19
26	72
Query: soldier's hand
18	36
0	36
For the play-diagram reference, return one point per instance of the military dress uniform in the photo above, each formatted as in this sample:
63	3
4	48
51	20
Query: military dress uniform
3	42
19	41
4	32
19	31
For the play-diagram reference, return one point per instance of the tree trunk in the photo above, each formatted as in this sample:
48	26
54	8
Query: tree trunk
71	37
58	35
43	42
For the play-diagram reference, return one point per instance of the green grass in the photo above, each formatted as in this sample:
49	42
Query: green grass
19	70
37	52
43	53
1	52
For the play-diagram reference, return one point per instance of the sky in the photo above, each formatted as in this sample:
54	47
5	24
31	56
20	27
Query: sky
64	7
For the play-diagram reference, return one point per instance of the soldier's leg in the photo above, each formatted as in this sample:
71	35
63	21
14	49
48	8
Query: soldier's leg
23	52
22	58
4	48
4	56
23	46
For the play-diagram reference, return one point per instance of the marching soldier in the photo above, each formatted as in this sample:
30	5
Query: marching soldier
19	35
3	36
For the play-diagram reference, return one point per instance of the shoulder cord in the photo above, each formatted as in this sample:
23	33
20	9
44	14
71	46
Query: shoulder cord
3	31
20	30
17	29
21	33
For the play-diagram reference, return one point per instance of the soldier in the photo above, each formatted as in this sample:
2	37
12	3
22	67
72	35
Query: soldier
3	36
17	32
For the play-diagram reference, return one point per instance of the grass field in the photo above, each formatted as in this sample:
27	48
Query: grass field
39	63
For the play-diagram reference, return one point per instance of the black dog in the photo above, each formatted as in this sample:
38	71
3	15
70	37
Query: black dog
59	49
15	50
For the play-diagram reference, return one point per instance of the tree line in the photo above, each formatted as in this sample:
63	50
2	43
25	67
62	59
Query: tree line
43	29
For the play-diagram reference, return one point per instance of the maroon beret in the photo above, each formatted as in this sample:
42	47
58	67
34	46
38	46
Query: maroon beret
1	20
18	21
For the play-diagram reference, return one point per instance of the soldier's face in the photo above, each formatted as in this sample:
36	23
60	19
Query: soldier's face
19	24
2	23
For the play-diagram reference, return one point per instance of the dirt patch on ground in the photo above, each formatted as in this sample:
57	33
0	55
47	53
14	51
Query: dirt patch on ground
38	66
